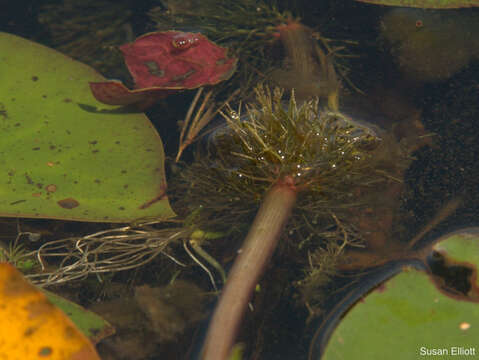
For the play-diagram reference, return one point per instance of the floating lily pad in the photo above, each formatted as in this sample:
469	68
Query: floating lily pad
64	155
412	311
406	318
426	4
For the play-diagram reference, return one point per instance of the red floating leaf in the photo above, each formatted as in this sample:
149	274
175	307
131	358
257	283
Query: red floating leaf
177	59
166	62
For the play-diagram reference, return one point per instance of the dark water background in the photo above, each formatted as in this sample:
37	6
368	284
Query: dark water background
446	170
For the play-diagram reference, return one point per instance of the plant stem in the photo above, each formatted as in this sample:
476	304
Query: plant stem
248	267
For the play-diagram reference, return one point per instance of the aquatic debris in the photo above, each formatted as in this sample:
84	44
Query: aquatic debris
162	63
34	321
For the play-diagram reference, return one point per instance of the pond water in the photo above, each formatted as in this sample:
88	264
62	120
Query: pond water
407	76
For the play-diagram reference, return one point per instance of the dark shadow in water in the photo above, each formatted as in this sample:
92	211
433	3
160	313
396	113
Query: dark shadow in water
126	109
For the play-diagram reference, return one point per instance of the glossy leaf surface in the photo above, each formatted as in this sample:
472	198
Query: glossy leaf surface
61	157
403	319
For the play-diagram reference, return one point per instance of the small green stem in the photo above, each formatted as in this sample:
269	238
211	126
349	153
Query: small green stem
195	244
257	249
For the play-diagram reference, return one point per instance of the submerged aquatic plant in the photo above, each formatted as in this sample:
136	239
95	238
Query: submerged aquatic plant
302	165
17	254
304	61
272	46
252	30
298	163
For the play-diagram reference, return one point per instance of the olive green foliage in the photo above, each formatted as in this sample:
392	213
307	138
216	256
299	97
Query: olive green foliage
325	155
323	262
16	254
323	152
222	19
315	148
246	27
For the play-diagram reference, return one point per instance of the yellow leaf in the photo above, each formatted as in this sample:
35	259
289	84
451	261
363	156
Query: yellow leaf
33	328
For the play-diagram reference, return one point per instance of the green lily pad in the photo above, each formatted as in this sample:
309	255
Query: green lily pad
426	4
63	155
407	318
90	324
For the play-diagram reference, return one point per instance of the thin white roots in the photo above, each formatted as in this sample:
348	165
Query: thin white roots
129	247
110	250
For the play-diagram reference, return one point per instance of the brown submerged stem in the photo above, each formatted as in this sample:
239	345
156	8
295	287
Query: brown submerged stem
257	249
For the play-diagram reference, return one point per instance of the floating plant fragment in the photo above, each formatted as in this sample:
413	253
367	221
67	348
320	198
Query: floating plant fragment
165	62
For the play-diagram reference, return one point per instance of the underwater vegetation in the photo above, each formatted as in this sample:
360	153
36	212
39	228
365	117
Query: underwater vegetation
305	60
298	163
263	36
431	45
16	254
247	28
290	193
